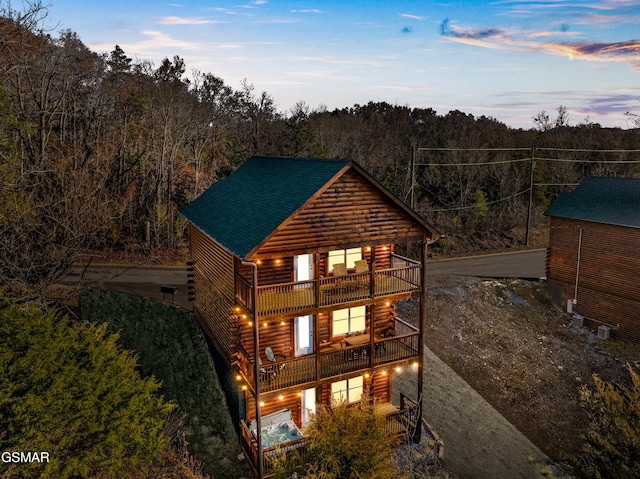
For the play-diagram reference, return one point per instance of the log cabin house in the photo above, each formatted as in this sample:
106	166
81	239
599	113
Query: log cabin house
593	257
296	282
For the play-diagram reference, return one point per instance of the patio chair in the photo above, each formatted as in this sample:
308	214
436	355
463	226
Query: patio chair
271	356
342	283
361	266
340	269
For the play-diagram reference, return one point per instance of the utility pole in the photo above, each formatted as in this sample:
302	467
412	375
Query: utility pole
531	168
413	179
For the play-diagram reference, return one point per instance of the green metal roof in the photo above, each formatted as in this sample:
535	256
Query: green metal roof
243	209
614	201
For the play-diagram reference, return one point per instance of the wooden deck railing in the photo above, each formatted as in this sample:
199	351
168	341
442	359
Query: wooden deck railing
290	372
244	292
246	365
250	447
285	298
299	296
302	370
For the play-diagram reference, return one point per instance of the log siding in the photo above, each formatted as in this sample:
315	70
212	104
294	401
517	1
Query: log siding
350	213
213	280
608	289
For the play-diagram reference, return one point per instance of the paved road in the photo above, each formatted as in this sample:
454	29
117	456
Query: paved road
146	280
521	264
140	280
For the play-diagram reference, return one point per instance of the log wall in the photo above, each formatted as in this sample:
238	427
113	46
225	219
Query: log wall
609	273
350	213
377	386
214	286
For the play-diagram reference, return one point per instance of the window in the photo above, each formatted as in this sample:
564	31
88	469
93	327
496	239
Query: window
346	256
350	320
349	390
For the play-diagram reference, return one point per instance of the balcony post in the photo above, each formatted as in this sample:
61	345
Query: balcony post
256	364
316	315
372	280
421	327
316	278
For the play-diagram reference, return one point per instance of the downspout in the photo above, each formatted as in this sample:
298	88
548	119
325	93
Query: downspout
575	292
421	328
256	364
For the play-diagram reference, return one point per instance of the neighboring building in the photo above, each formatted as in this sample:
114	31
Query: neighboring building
593	258
296	284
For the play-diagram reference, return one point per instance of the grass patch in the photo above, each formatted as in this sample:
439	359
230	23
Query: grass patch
171	349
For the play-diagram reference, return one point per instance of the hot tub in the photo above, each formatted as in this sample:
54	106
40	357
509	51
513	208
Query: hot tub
277	428
282	433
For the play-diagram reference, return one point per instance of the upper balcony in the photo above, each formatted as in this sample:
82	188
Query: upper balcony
404	278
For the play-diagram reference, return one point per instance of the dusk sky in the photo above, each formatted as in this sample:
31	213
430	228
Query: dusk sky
504	59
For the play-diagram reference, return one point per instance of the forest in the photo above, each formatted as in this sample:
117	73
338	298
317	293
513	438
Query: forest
98	151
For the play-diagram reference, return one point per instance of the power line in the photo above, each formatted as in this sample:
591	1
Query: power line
484	204
483	163
567	160
474	149
586	150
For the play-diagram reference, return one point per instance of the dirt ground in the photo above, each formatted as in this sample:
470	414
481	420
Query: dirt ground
501	355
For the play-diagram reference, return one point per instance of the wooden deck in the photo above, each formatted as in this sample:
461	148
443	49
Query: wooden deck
399	423
326	292
334	361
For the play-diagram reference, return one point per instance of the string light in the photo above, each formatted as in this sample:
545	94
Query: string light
281	397
238	377
261	403
278	261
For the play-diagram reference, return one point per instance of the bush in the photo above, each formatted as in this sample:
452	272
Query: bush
345	443
612	448
71	391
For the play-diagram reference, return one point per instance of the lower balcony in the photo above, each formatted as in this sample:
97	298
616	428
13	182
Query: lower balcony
281	437
334	359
